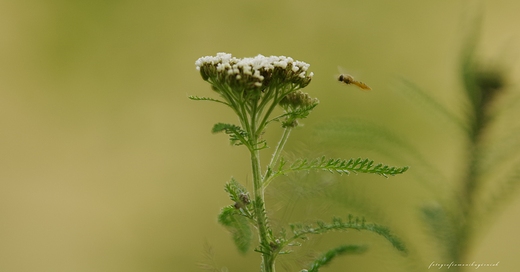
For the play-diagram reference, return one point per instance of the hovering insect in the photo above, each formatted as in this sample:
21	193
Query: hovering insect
348	79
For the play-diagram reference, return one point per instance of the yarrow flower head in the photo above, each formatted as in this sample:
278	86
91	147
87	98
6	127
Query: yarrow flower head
253	87
253	75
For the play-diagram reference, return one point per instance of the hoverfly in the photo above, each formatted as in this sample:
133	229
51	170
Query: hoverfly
348	79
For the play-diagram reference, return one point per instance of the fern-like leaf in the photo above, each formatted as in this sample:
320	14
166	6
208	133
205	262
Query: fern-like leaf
341	166
237	135
238	194
442	227
209	264
235	189
198	98
239	227
327	257
293	115
507	188
374	137
502	150
301	231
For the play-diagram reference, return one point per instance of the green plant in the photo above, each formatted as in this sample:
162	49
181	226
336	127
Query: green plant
488	169
254	88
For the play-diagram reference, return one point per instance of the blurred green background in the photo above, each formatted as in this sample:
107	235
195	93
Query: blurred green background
105	165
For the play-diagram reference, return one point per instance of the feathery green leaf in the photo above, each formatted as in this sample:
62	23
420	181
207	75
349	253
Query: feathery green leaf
293	115
507	188
339	133
327	257
441	226
301	231
341	166
235	189
238	194
239	227
504	149
198	98
237	135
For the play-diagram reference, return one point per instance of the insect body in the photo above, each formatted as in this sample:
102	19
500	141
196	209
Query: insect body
348	79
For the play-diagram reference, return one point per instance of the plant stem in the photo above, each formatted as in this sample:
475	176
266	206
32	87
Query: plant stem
276	155
471	182
259	203
261	217
467	206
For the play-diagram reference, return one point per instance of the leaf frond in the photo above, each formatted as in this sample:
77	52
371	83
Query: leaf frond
369	136
342	166
327	257
508	187
209	264
442	226
239	227
301	231
297	113
237	135
235	189
505	149
199	98
239	195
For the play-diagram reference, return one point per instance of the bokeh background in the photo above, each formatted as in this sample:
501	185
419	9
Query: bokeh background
105	165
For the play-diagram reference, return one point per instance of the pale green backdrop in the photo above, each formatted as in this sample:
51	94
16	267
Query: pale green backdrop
105	165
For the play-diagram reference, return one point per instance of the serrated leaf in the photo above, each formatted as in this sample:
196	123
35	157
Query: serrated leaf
234	189
237	193
507	187
198	98
301	231
327	257
369	136
237	135
298	113
239	227
342	166
442	227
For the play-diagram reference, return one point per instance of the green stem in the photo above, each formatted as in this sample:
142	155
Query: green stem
261	217
258	194
471	185
276	100
276	155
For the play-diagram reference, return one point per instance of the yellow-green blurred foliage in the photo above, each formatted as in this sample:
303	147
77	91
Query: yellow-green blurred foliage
105	165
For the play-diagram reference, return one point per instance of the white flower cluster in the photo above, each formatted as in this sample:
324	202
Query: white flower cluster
253	66
253	86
